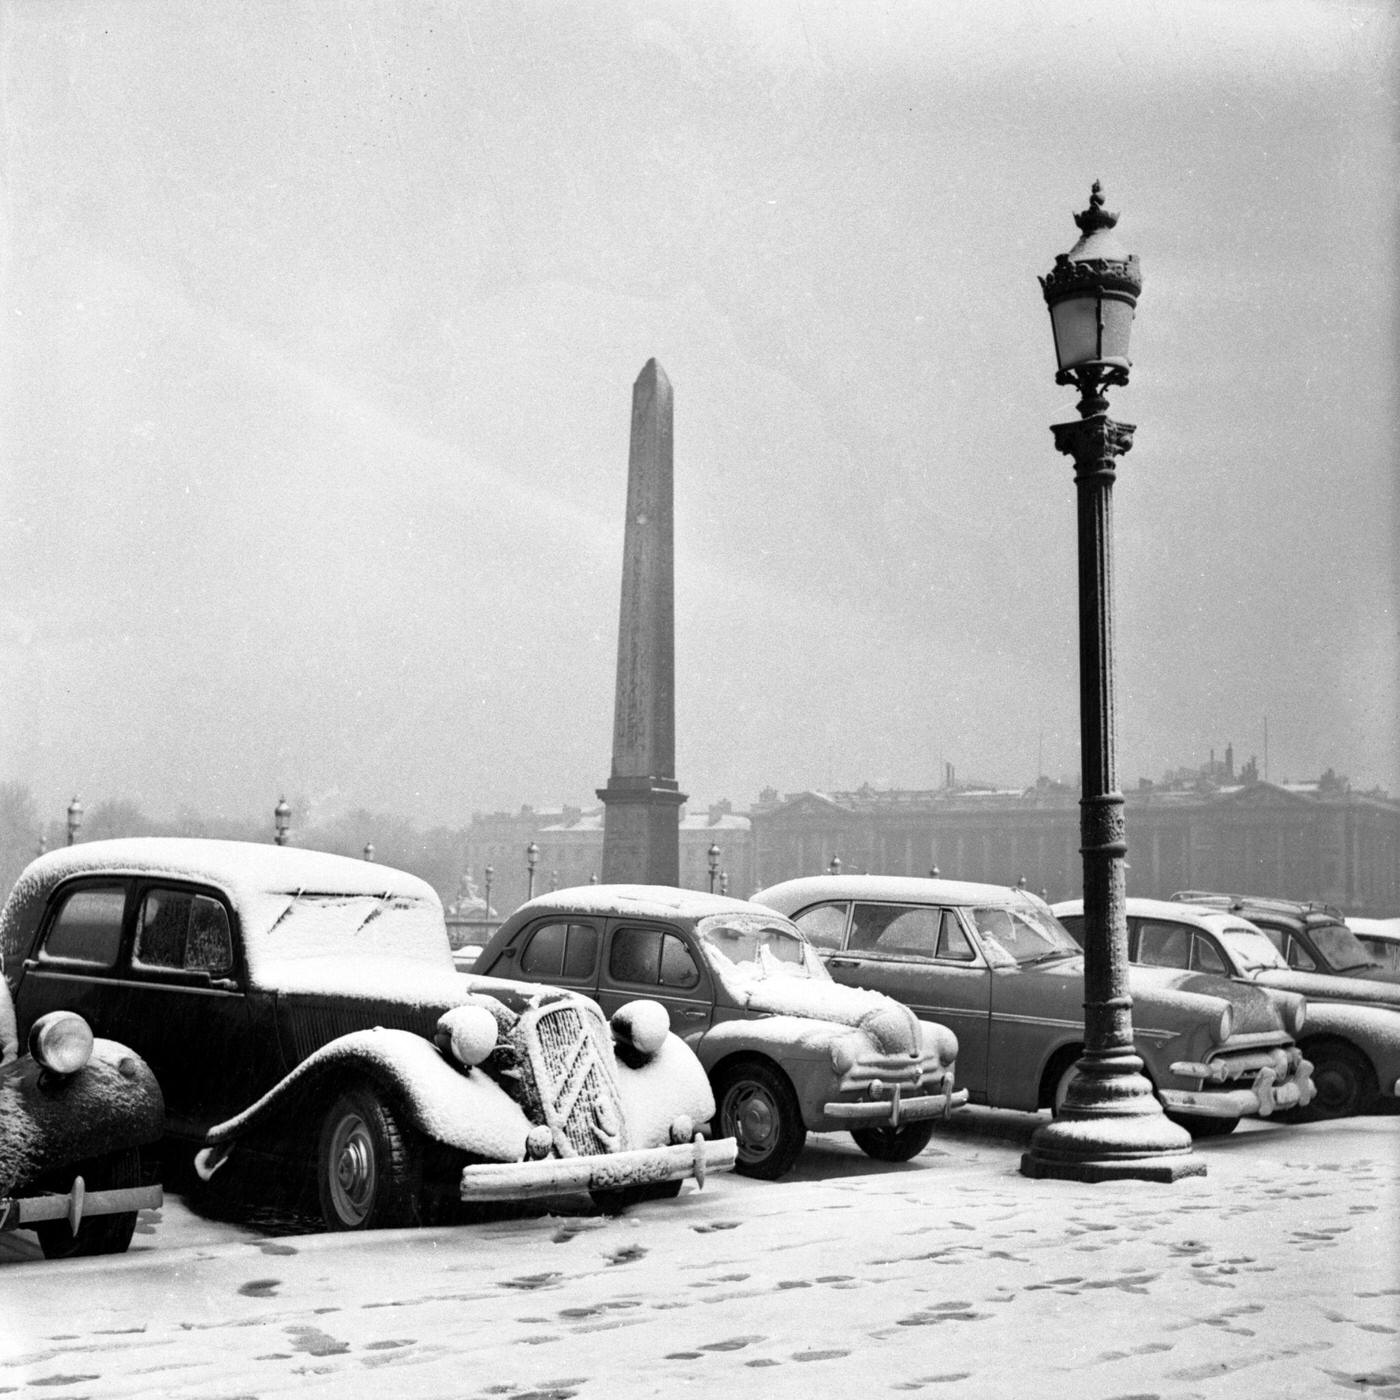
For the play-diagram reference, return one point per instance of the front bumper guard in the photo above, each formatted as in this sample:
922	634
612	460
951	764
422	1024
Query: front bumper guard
75	1205
608	1171
896	1109
1260	1099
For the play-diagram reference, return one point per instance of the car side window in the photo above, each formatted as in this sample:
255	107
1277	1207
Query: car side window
1205	956
87	927
1164	945
825	926
953	941
1299	957
651	957
1074	926
181	931
563	950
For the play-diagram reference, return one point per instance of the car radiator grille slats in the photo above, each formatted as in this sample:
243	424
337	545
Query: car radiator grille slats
574	1078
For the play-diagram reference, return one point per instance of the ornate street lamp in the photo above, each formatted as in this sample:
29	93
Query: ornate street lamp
369	850
553	880
1110	1126
532	855
282	821
724	882
75	819
713	856
835	867
487	875
42	846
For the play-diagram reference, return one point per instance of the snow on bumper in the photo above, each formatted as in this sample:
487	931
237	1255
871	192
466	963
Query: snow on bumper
1280	1083
562	1176
887	1103
75	1205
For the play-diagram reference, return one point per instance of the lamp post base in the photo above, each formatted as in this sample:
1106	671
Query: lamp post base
1111	1128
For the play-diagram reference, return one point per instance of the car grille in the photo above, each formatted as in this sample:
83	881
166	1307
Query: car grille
567	1057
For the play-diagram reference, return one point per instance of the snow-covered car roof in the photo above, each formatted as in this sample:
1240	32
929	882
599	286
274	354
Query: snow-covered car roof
641	901
262	882
913	889
1385	929
1216	920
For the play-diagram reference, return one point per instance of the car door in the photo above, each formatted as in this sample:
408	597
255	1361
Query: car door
921	955
644	959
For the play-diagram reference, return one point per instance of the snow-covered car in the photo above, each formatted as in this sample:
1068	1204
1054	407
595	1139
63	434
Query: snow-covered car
304	1007
1313	937
75	1112
1352	1036
1380	938
993	963
787	1049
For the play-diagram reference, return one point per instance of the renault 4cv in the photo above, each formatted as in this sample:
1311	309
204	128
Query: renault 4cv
304	1007
787	1049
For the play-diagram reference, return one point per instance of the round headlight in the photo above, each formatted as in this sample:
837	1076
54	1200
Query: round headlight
467	1034
644	1025
1226	1028
61	1041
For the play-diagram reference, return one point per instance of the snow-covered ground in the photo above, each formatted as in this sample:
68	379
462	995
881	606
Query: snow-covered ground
1275	1275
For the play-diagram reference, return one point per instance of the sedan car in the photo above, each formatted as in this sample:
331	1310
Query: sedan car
1312	937
304	1007
75	1112
787	1050
1353	1026
994	964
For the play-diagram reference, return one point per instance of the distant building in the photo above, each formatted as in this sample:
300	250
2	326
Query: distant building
1212	827
1201	829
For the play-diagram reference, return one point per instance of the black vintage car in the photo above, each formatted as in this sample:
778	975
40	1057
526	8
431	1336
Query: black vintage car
75	1113
304	1007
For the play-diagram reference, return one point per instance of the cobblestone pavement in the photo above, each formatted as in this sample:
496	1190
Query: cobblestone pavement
1275	1275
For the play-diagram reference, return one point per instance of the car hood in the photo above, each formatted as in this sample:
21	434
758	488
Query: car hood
1255	1010
373	979
894	1026
1321	986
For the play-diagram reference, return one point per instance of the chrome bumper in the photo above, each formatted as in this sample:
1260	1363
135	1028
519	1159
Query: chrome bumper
1260	1099
75	1205
563	1176
888	1105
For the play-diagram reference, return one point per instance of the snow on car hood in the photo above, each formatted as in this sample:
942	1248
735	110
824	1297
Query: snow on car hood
1320	986
371	977
1255	1010
894	1027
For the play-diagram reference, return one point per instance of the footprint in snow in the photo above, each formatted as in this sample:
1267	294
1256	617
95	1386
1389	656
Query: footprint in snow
716	1225
260	1287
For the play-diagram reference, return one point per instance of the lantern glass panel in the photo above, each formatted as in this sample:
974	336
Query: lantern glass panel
1076	324
1117	328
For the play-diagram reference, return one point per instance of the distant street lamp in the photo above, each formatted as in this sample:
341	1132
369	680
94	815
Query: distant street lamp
282	820
1111	1126
487	875
593	878
835	867
724	882
75	819
532	855
553	880
369	850
713	855
42	846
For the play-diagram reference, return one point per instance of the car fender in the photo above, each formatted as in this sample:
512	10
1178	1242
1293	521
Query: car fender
461	1108
799	1047
1374	1030
658	1091
49	1121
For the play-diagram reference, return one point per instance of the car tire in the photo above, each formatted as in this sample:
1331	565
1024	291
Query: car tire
1200	1125
1060	1083
755	1105
1343	1078
98	1234
369	1164
619	1199
888	1144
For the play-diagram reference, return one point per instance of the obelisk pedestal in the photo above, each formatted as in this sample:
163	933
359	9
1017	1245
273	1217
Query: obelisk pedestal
641	803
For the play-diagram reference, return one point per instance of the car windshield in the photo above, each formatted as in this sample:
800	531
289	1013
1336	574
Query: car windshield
1251	950
753	946
1342	950
1025	934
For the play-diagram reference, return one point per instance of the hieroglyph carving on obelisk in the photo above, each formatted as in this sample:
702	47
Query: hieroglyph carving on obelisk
641	803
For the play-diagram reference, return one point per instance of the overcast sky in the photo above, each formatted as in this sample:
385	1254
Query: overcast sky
321	322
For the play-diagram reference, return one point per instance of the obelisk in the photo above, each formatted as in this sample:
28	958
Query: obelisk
641	803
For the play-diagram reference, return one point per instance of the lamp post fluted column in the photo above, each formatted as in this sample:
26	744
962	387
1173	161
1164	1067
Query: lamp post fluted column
1110	1125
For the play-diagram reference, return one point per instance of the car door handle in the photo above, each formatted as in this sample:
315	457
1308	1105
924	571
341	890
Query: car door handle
690	1013
843	962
